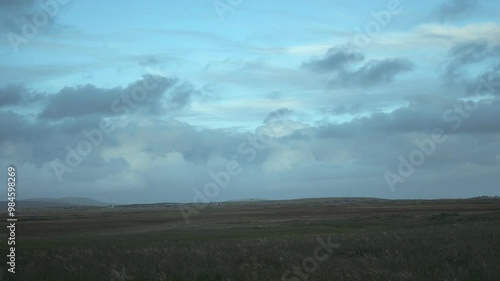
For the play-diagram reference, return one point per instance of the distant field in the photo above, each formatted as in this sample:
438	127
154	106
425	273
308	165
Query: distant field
265	240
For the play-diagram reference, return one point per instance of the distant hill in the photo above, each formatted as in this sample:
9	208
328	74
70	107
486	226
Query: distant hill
246	200
56	202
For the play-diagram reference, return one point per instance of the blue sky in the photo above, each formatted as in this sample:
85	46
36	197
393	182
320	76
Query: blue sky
347	108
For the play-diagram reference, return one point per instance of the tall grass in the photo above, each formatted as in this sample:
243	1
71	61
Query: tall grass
449	247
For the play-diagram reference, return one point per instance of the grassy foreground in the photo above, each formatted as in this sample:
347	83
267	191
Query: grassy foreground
370	245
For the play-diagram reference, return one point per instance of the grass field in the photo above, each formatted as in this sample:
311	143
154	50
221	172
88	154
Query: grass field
310	239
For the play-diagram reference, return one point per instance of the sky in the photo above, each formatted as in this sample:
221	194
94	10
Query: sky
197	101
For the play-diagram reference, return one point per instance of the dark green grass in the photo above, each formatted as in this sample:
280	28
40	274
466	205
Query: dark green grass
443	246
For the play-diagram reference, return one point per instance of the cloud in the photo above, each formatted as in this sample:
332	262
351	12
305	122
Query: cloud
152	94
284	158
375	72
463	54
150	61
13	11
335	59
477	54
63	116
467	53
452	9
12	95
18	127
486	84
162	159
423	115
341	62
38	141
343	109
277	114
16	16
181	95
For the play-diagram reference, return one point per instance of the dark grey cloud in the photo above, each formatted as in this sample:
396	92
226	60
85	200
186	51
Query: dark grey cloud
17	126
341	63
18	95
464	54
375	72
12	95
65	115
41	140
75	125
335	59
88	99
181	96
80	100
452	9
487	83
343	109
423	115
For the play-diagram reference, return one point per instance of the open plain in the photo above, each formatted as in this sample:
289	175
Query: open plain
374	239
